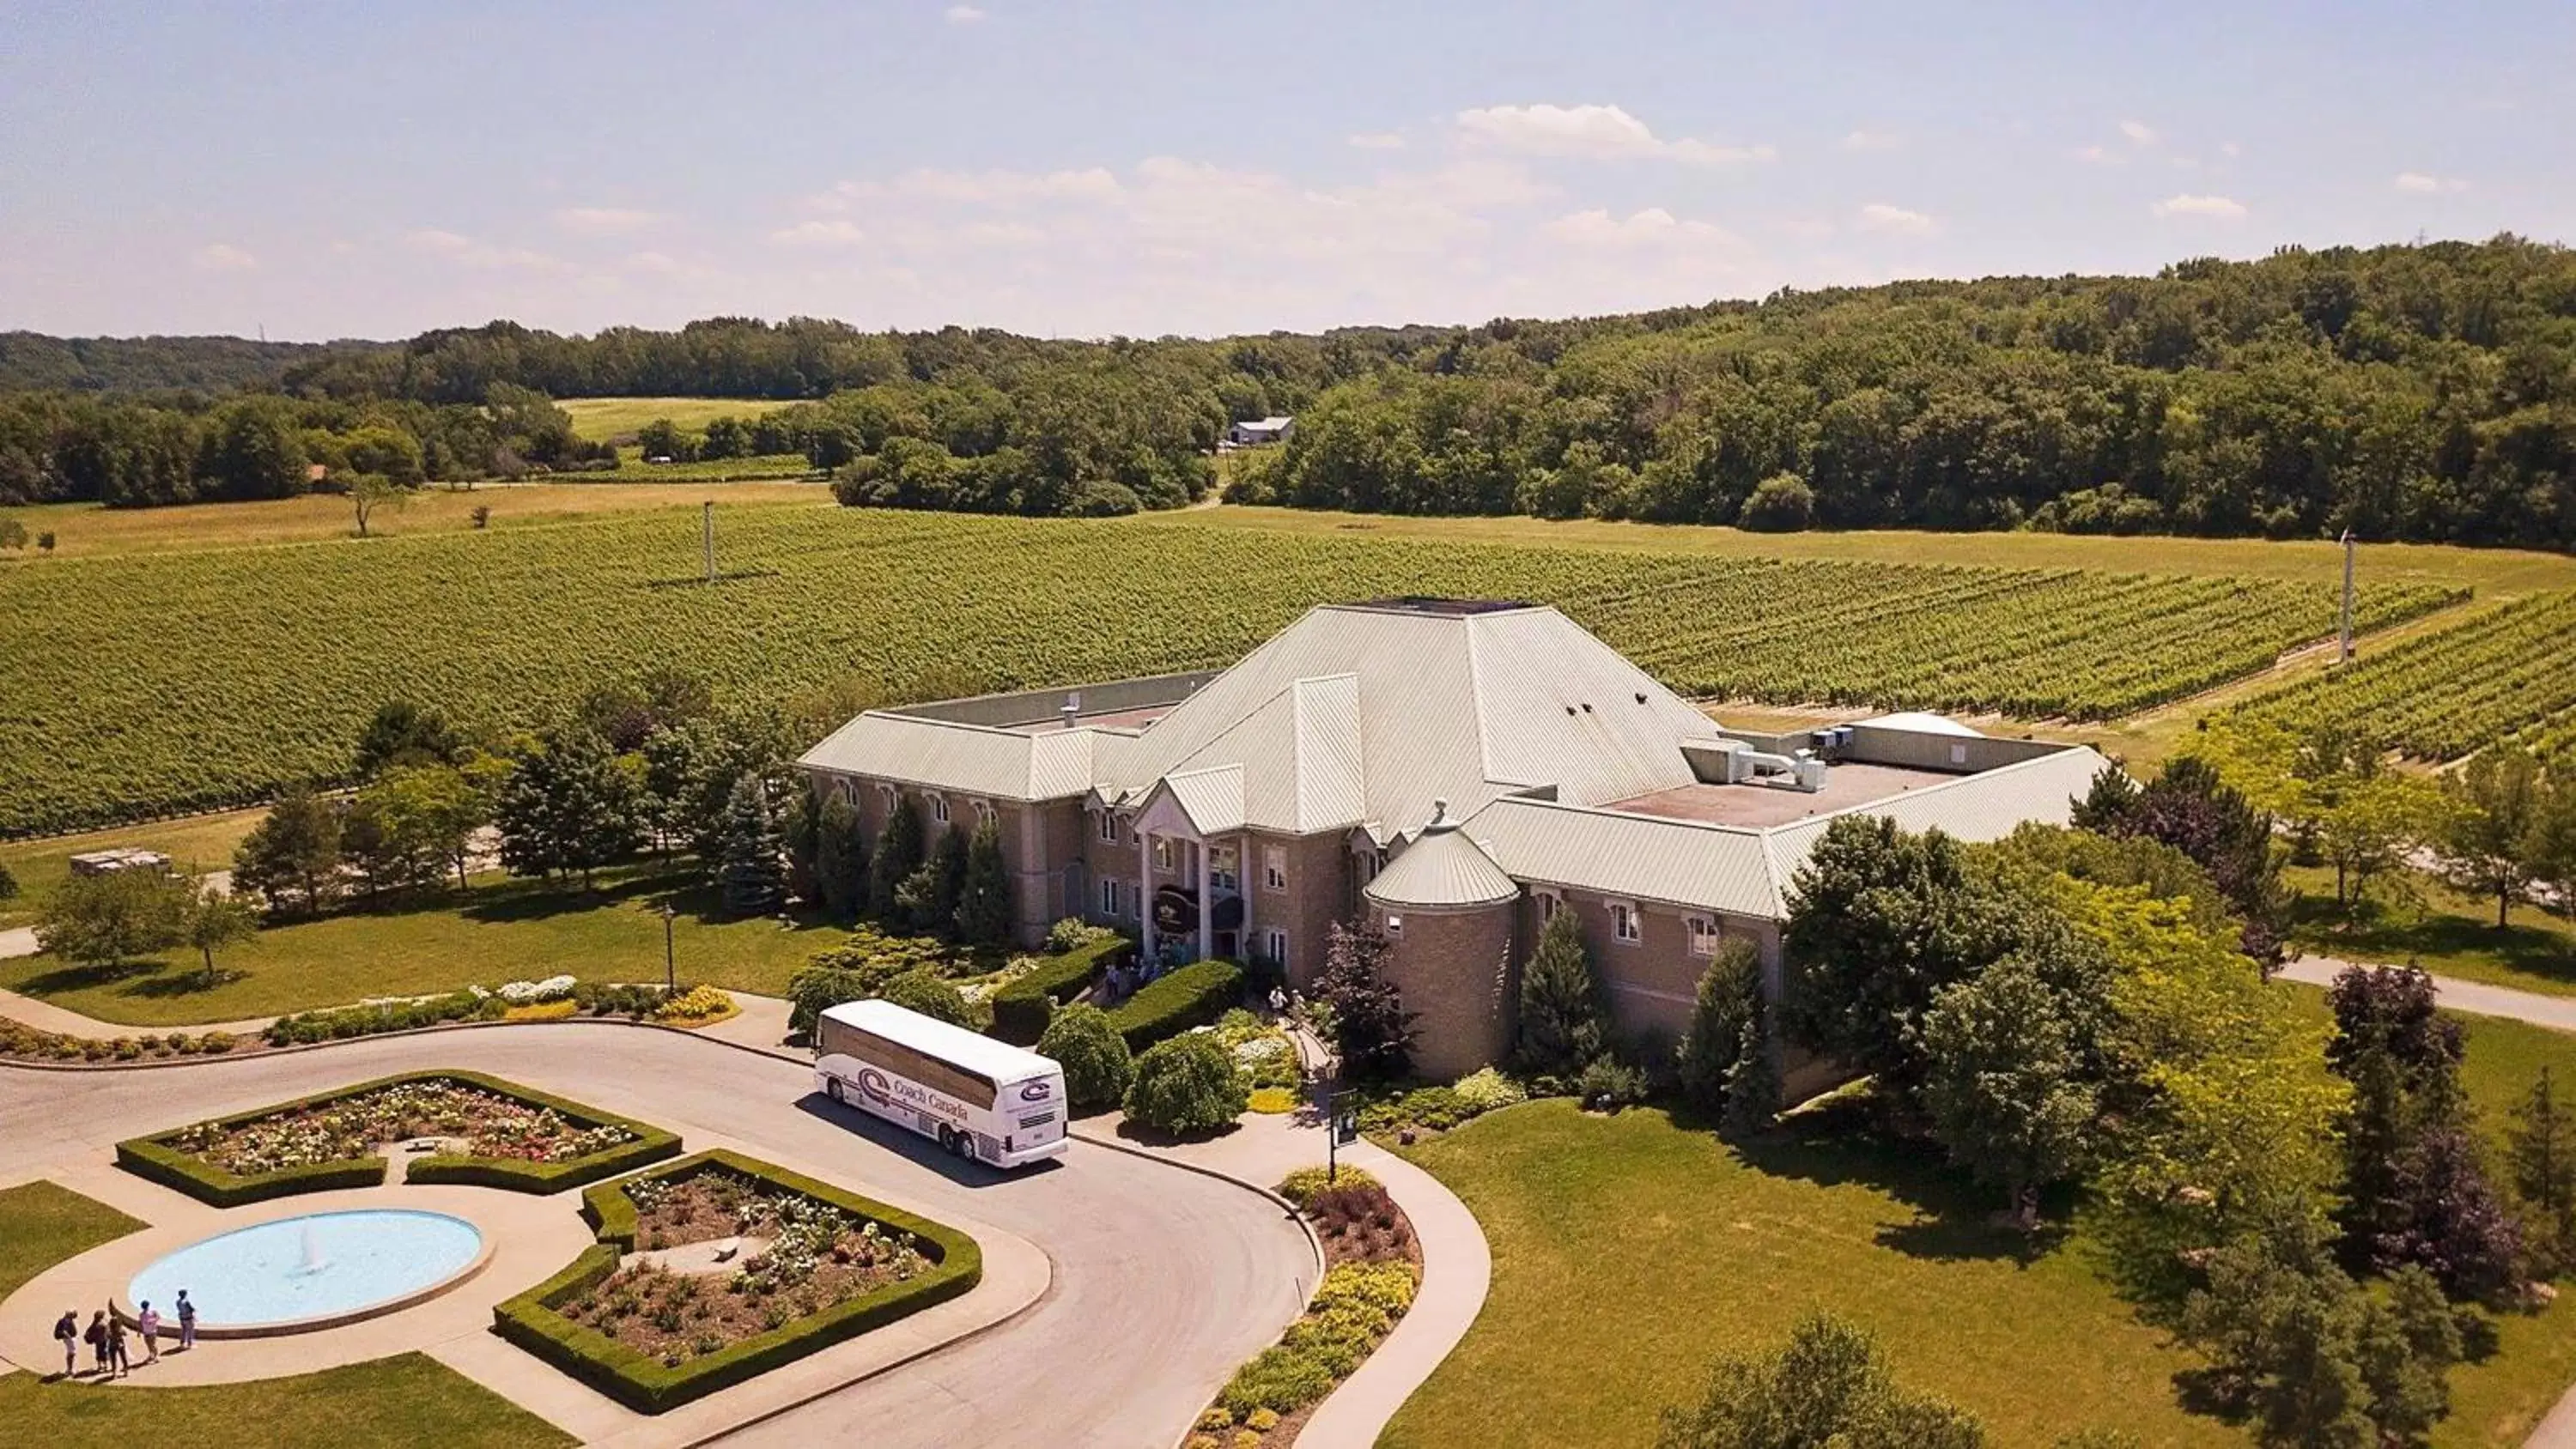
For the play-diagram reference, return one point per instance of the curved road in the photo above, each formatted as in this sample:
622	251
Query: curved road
1164	1280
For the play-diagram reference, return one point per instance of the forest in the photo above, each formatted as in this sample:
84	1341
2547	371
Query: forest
2420	392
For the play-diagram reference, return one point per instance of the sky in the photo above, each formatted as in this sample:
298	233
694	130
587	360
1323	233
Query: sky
1129	167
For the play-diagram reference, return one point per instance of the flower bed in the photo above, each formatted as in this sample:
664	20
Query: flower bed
27	1044
829	1265
511	1137
694	1007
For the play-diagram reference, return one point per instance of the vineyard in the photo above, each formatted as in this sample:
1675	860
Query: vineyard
2509	671
153	683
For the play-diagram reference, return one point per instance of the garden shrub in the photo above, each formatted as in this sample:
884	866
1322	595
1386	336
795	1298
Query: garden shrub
1272	1101
1300	1187
1192	996
347	1022
1278	1378
1187	1084
925	993
1097	1065
652	1386
1386	1287
1608	1084
1484	1091
1024	1005
695	1004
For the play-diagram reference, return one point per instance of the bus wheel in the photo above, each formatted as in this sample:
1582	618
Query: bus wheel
961	1144
833	1089
947	1141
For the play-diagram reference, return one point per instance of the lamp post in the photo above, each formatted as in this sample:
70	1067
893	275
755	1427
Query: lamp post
670	963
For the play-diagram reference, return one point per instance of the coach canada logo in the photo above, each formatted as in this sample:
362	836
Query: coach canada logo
1037	1091
874	1083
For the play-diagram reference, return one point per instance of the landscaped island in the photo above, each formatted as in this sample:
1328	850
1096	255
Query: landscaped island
719	1267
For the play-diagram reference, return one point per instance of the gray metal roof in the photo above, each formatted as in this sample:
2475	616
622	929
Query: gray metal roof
1442	868
973	759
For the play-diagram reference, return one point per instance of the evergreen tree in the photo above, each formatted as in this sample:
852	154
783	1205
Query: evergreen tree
2107	803
1564	1020
1829	1387
754	869
403	733
1753	1096
570	807
1728	1000
2542	1151
802	829
936	887
840	857
897	856
1372	1031
984	898
292	857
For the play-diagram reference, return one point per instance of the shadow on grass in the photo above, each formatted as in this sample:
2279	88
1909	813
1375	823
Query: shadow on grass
2400	933
1956	1220
85	978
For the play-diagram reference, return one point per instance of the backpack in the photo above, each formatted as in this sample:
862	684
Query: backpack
97	1335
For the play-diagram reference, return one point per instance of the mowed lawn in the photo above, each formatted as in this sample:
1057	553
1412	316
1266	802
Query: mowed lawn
42	1224
2419	919
1629	1251
196	842
502	930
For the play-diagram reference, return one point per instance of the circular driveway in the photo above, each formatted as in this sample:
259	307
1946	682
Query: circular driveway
1164	1280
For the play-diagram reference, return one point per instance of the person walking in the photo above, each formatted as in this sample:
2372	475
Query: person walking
187	1321
149	1321
97	1340
67	1333
119	1361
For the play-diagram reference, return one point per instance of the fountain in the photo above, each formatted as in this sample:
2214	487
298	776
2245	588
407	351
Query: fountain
313	1271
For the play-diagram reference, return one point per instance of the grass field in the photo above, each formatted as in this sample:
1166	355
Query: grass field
291	648
194	843
2419	919
597	418
86	530
769	467
502	930
42	1224
1628	1251
408	1400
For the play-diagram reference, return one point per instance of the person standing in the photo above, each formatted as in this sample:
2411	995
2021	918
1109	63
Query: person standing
187	1321
67	1333
97	1339
119	1362
150	1322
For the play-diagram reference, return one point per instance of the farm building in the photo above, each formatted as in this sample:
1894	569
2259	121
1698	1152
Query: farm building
1260	430
1454	772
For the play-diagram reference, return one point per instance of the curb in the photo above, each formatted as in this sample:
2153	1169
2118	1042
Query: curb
1314	1245
314	1046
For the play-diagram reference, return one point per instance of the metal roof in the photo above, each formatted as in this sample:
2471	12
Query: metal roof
946	755
972	1050
1443	868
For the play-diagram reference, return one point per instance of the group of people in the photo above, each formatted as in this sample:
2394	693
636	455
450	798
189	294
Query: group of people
106	1337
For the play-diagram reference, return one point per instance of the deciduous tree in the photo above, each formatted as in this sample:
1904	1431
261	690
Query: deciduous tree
2007	1089
107	920
212	919
2496	801
1372	1031
1828	1387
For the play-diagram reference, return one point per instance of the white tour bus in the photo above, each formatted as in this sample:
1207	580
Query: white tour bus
981	1098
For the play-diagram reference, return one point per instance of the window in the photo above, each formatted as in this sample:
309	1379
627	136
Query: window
1395	925
1624	926
1162	852
1274	944
1703	936
1221	868
1274	867
984	811
1109	904
939	808
1109	826
1547	904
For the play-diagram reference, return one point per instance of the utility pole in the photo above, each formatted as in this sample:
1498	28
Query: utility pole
2346	656
708	517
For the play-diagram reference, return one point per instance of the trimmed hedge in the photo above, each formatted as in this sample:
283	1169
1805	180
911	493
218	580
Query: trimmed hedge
645	1384
1194	995
154	1159
1022	1008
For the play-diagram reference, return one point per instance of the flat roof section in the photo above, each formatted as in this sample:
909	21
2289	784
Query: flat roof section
1759	807
1112	719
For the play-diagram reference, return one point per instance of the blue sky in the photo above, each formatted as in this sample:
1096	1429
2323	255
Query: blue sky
1086	169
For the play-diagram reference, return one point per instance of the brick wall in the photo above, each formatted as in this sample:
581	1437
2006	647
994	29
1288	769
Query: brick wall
1454	970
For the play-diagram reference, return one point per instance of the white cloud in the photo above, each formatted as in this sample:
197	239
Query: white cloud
2187	204
1872	141
465	251
2139	133
2428	184
963	15
222	257
820	233
1879	216
1653	227
1376	140
604	220
1590	133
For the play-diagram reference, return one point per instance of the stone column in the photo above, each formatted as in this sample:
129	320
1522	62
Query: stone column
1145	887
1207	904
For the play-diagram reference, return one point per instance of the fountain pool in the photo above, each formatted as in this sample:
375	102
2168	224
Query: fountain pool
311	1271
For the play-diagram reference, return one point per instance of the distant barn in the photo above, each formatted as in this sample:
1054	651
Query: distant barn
1260	430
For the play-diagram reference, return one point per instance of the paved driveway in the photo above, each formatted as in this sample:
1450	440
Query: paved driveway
1164	1279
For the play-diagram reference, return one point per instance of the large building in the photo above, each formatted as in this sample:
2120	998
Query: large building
1455	772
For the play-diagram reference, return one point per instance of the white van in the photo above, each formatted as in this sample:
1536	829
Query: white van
980	1098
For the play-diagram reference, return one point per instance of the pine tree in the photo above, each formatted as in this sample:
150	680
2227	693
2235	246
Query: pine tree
840	858
754	869
1564	1022
984	899
1729	998
897	856
930	893
2541	1147
1752	1083
802	828
292	857
570	806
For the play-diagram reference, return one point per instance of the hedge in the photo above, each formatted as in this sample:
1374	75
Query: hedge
1191	996
1024	1006
155	1159
647	1385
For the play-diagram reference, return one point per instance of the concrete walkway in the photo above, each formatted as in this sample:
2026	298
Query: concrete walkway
18	941
2476	998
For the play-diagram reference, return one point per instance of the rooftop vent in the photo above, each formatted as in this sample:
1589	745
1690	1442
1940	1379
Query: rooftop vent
1071	709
